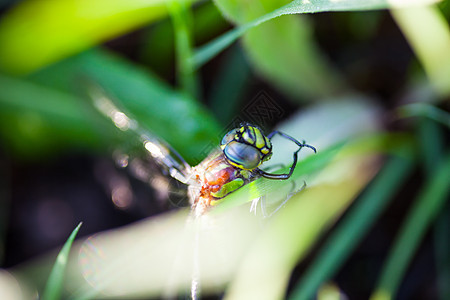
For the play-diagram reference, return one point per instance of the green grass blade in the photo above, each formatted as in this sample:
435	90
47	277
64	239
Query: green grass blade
432	149
425	110
442	245
234	72
182	26
346	237
151	101
428	204
265	271
430	40
377	143
432	138
261	187
208	51
47	118
55	280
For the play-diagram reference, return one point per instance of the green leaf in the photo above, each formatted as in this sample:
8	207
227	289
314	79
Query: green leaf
234	72
285	52
208	23
339	246
426	207
176	117
233	11
57	29
182	26
50	109
36	119
56	279
430	40
432	140
261	187
377	143
425	110
265	270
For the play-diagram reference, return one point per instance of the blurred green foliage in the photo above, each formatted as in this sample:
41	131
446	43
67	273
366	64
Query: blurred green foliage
50	51
58	29
302	70
147	98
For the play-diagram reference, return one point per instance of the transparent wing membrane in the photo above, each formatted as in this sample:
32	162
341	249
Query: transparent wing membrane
161	152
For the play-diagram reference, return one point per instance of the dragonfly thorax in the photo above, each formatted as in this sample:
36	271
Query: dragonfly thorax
216	178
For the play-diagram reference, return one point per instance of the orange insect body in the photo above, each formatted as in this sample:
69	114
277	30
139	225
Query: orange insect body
215	178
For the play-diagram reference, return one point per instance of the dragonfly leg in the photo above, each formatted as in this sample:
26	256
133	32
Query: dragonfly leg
295	157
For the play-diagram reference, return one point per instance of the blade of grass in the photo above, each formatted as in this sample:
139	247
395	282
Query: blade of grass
48	119
265	271
425	110
427	205
294	64
261	187
377	143
151	101
442	244
431	144
432	149
352	229
182	26
55	280
229	86
203	54
430	40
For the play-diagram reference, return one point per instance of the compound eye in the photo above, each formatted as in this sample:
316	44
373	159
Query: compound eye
242	155
228	137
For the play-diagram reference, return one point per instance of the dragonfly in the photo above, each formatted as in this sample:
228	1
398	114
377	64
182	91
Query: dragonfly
235	162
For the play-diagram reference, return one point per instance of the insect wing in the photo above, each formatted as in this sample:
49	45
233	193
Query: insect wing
161	152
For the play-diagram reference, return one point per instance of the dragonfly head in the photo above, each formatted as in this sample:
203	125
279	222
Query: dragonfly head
246	147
